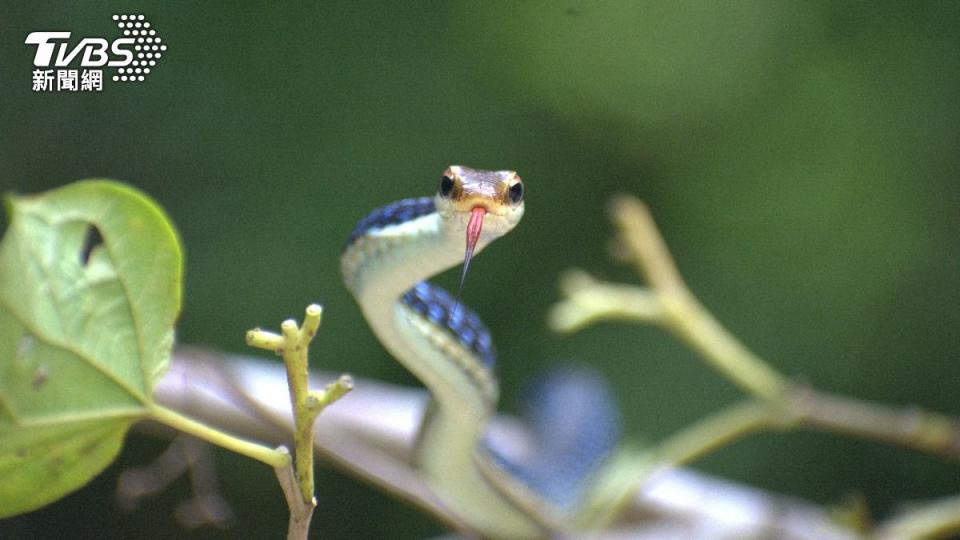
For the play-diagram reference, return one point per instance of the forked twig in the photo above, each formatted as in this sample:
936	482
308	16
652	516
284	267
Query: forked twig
777	403
293	345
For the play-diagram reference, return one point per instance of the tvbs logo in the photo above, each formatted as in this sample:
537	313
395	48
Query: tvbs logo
94	50
134	54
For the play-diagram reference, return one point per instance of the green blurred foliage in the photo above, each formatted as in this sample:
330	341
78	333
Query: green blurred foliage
799	157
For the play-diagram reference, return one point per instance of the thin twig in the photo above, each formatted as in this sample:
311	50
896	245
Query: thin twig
720	429
202	431
911	427
301	512
685	316
293	345
938	519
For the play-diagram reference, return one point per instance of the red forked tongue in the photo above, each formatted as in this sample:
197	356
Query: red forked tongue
474	226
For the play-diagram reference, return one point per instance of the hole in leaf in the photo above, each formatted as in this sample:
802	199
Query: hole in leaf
91	241
39	378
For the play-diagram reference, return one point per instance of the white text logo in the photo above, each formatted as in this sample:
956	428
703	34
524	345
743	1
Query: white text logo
134	55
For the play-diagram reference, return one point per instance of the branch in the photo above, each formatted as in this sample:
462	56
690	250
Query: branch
372	435
939	519
301	511
668	302
222	439
293	345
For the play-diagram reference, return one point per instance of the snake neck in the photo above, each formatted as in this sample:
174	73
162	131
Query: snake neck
390	261
380	268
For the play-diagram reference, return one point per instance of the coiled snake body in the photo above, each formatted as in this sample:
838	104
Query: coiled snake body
384	264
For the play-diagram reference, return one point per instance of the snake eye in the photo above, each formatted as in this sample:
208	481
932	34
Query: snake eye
446	187
516	193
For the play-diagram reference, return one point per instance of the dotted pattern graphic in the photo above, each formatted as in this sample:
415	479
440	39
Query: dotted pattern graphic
437	306
148	47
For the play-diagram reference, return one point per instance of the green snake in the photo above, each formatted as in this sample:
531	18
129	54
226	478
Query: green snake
385	263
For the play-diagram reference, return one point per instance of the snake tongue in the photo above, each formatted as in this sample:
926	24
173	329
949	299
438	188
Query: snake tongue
474	226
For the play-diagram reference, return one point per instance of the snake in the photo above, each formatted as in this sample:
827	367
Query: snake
573	425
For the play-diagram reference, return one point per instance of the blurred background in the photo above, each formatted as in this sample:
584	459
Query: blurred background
800	158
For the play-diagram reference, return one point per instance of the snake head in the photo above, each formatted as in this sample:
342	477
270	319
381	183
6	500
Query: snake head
463	190
473	202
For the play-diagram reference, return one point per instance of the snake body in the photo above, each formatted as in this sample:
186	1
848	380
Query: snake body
445	345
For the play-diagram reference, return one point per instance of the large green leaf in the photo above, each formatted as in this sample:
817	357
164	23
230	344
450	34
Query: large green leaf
86	329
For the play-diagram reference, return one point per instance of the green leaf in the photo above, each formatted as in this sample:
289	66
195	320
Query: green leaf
86	330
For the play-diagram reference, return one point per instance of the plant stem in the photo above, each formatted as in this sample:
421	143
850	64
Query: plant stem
938	519
683	314
293	344
717	430
295	359
301	513
182	423
695	326
912	427
777	403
